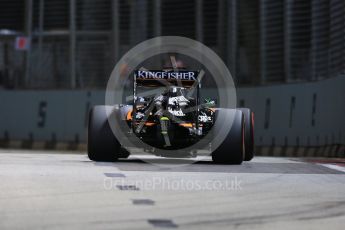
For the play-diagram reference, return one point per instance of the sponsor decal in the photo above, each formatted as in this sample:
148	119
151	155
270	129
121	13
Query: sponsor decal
177	113
156	75
139	115
204	118
180	100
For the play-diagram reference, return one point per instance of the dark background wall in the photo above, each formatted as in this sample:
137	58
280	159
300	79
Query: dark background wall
74	44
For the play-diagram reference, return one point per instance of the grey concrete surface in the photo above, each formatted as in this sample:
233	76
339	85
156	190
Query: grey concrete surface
45	190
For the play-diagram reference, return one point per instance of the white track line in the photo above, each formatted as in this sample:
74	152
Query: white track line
334	167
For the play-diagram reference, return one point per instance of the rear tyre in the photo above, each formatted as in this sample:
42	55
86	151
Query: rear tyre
124	153
231	150
249	133
102	144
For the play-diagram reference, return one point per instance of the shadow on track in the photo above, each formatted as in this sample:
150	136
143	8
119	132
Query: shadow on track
186	165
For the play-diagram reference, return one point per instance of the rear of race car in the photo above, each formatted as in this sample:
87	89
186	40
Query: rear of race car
167	114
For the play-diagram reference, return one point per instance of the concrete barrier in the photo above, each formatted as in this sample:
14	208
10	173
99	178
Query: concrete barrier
304	115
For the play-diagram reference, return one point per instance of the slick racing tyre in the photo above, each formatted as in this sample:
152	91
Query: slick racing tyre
249	133
102	145
231	150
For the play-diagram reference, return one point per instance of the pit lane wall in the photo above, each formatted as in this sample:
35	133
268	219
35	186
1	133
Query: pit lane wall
300	118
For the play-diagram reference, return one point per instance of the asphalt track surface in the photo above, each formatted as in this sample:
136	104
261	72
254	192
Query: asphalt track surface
51	190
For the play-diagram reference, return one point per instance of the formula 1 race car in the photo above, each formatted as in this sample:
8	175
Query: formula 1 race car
171	118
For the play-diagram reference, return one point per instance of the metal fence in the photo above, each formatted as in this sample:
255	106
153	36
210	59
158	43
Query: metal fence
76	43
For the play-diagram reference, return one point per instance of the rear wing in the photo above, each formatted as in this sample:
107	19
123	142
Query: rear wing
157	78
